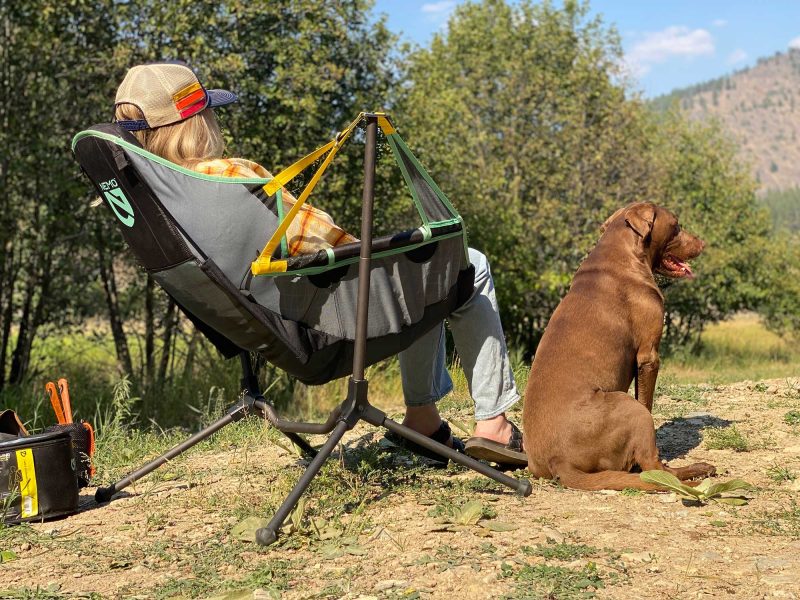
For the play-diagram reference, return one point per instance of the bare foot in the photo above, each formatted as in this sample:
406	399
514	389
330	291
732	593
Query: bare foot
498	429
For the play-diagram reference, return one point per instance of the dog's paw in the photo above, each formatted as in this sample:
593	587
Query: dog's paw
702	470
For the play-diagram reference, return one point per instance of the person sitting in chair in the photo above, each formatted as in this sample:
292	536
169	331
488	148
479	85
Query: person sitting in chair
169	111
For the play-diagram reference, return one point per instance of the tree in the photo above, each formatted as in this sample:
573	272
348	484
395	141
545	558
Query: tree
42	202
517	113
714	197
521	113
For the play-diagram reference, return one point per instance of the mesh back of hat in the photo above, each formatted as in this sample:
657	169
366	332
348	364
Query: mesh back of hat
162	92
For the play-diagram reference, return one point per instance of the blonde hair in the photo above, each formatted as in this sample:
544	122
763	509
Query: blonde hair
185	143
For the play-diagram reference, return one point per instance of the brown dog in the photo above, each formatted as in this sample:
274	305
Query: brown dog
581	426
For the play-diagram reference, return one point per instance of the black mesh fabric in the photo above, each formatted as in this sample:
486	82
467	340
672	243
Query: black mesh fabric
431	204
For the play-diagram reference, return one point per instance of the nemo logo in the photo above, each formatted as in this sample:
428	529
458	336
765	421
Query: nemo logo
118	202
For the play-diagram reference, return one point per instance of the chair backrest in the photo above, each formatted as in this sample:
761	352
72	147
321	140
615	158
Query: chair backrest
197	236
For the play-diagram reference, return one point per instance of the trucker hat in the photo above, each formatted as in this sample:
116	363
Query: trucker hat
166	93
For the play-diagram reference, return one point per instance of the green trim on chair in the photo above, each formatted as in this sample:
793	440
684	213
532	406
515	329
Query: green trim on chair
162	161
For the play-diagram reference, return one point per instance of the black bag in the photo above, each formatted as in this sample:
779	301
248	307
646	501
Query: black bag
82	436
38	477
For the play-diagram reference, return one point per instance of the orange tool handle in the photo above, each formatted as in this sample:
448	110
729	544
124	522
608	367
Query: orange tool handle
56	402
91	447
62	386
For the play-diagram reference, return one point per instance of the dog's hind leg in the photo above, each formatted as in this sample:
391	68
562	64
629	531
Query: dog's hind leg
628	438
571	477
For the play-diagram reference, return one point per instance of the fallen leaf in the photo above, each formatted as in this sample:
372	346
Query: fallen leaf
498	526
245	531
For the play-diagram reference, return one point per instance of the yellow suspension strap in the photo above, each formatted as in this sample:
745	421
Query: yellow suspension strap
264	263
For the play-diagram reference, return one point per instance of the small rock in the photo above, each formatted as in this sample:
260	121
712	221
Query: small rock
773	389
712	557
388	584
766	563
783	579
795	485
25	546
792	450
639	557
609	492
668	498
553	535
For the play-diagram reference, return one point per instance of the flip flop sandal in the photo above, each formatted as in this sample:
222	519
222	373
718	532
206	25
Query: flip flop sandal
509	454
441	435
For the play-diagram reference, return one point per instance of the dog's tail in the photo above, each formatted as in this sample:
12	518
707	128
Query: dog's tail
571	477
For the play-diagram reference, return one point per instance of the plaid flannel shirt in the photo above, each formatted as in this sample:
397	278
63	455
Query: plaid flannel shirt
311	230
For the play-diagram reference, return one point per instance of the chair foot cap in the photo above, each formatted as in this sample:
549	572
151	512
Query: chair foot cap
266	536
104	494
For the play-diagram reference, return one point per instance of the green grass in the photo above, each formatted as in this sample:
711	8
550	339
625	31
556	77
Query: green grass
548	581
781	522
736	350
779	474
792	417
726	438
560	551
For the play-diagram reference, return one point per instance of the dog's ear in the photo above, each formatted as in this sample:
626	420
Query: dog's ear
610	219
640	218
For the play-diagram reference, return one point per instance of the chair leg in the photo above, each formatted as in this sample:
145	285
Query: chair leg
305	447
235	413
267	535
104	494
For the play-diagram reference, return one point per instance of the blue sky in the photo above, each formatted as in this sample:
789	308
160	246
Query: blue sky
667	43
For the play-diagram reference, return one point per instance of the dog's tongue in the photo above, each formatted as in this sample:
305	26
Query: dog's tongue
685	268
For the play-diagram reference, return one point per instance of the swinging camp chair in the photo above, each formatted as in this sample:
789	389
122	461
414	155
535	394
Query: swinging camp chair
317	316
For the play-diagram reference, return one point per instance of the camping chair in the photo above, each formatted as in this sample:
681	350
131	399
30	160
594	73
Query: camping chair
317	316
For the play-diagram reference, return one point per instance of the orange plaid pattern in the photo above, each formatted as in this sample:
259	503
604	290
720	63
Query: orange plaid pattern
311	230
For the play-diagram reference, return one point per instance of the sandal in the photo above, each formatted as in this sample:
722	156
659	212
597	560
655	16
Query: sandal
502	454
441	435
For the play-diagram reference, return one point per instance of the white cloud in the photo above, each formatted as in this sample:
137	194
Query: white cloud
660	46
437	8
795	43
737	56
438	12
719	22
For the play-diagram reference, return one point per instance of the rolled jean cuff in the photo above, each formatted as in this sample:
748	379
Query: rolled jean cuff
426	400
509	399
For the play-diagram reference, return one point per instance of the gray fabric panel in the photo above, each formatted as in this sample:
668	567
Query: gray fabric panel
399	292
199	295
231	226
228	223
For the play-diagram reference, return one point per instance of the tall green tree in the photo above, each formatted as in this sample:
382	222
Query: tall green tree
522	113
43	266
517	111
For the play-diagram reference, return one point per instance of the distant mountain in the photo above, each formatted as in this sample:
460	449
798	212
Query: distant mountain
760	106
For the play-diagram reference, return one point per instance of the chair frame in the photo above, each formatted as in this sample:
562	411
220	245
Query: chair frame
353	409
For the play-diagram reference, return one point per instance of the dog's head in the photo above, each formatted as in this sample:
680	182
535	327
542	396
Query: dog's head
667	247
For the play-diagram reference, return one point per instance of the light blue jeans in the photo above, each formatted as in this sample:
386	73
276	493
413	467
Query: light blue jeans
478	336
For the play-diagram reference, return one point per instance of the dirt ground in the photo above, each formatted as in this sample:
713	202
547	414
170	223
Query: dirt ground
400	538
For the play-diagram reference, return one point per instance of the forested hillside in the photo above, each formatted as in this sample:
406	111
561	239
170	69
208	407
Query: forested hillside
760	107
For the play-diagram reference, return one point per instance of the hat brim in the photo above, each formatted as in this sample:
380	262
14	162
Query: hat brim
220	98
